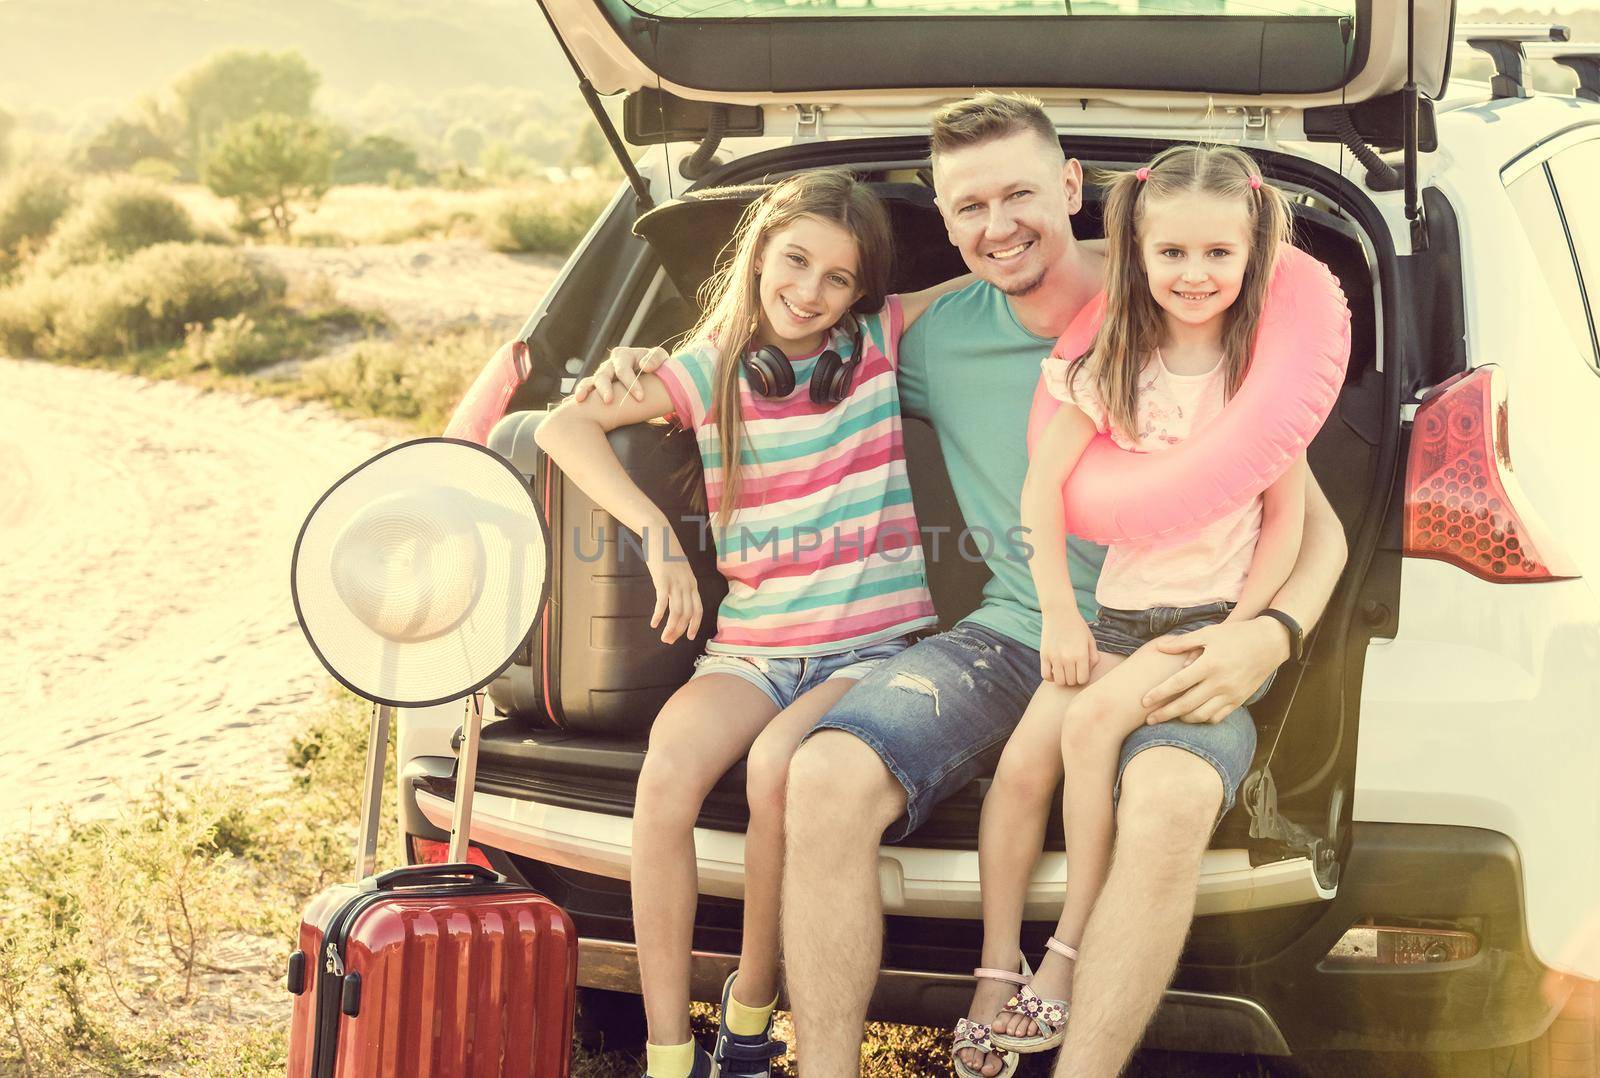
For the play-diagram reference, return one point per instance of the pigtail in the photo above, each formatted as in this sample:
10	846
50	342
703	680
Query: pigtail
1271	230
1131	327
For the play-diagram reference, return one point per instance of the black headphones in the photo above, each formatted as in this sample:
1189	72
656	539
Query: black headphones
772	375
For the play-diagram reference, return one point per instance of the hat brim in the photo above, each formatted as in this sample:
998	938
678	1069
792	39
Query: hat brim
485	641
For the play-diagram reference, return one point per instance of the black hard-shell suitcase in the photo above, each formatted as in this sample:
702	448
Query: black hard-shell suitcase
593	664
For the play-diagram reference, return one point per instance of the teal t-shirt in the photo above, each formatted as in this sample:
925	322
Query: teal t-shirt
969	368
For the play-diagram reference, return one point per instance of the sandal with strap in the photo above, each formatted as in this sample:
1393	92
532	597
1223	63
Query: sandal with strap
1050	1015
970	1034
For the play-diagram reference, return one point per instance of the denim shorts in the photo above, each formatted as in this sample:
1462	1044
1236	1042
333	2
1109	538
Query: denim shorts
1228	745
939	714
786	679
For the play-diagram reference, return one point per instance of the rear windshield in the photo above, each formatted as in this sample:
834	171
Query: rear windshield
766	9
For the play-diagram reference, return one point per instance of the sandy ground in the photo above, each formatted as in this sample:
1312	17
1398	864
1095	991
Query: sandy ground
145	535
425	284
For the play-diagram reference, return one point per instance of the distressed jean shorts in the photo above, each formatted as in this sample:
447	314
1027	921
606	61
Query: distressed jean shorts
939	714
1228	745
785	679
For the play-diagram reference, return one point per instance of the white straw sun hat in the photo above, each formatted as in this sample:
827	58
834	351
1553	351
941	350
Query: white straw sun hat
418	575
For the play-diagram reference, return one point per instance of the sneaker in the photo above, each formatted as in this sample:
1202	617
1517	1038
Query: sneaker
744	1056
703	1067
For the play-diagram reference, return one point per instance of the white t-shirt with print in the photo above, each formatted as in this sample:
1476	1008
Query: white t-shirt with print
1203	566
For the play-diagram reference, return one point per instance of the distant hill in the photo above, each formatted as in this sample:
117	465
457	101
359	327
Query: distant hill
95	56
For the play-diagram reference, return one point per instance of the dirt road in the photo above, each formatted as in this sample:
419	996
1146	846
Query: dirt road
145	535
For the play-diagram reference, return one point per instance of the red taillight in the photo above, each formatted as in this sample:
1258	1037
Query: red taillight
428	851
491	392
1463	504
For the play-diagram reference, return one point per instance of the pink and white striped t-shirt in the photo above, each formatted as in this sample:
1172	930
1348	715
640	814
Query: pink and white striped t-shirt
823	553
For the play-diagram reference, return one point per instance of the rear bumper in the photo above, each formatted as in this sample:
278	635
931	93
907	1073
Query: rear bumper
1256	983
1252	979
914	882
1458	877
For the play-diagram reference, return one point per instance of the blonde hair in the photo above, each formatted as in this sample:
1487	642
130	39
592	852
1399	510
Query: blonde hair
731	303
986	116
1131	329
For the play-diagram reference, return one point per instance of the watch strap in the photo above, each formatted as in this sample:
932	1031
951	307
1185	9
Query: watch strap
1297	635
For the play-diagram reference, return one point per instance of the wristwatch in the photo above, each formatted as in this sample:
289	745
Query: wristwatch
1297	635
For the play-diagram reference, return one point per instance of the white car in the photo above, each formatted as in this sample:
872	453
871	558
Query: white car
1414	866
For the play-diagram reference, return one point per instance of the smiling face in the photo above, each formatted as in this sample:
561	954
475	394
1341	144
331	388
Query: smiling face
807	279
1007	205
1195	248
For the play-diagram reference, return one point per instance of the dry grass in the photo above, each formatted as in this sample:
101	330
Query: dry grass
416	378
153	941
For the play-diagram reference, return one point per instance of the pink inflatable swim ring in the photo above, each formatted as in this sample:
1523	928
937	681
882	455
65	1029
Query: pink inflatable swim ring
1301	351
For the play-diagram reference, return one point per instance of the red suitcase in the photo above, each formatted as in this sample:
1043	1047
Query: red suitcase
431	971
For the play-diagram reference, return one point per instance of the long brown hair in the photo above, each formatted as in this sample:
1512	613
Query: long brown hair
1131	329
731	303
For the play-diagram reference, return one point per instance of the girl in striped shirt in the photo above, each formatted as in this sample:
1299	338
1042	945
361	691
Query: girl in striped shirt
788	384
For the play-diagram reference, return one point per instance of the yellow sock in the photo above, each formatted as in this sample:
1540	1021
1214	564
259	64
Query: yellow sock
669	1060
746	1021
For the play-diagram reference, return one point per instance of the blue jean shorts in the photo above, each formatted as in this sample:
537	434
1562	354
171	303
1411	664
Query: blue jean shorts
939	714
1228	745
786	679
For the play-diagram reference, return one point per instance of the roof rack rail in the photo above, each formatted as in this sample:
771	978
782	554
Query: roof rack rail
1503	41
1581	57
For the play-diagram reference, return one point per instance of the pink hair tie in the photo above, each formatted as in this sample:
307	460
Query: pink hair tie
1255	183
1143	174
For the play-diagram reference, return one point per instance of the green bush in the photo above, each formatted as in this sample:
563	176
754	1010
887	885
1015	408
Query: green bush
116	308
420	379
229	345
116	219
545	225
31	202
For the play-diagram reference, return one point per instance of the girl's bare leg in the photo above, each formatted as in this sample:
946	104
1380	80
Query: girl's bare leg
1097	722
767	777
707	726
1010	838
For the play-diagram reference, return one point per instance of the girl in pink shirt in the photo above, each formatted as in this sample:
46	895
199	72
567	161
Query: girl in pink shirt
1191	244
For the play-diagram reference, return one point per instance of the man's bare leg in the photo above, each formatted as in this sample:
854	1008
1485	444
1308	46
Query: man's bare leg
841	798
1131	944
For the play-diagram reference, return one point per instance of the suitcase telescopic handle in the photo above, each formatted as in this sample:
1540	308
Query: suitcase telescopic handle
412	875
372	787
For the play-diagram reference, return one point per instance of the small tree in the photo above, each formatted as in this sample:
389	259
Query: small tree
269	165
234	86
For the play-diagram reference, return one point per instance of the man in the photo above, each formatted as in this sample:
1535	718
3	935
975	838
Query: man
911	734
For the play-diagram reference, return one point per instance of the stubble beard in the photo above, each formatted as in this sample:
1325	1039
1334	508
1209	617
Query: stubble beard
1020	290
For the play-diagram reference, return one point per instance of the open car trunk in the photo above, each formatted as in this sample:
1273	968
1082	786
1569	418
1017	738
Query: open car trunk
1299	812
